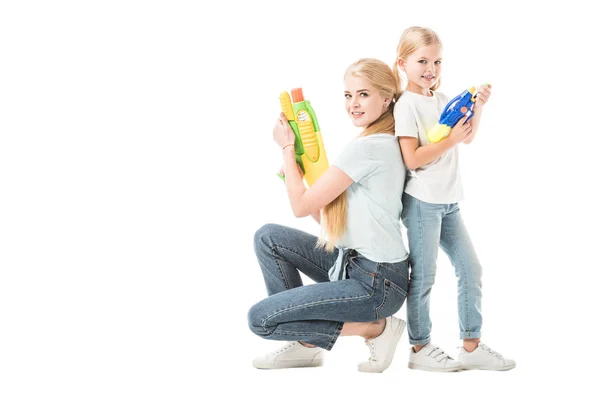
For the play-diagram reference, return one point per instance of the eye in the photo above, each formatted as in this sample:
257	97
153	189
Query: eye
438	62
422	62
364	94
348	96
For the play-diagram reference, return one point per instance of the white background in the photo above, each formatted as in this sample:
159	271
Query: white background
136	163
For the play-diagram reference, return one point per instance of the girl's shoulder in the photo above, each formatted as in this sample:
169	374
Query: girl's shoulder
406	100
407	96
410	102
415	98
442	96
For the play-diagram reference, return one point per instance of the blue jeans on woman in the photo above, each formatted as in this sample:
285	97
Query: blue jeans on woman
431	226
316	313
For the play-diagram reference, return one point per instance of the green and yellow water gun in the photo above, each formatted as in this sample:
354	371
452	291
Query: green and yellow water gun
308	145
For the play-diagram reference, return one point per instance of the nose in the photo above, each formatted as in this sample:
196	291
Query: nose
355	103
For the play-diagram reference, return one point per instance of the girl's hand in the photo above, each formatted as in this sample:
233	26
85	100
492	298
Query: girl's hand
282	132
461	131
483	95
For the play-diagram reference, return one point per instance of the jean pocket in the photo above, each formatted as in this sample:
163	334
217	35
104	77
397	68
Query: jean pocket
364	271
393	298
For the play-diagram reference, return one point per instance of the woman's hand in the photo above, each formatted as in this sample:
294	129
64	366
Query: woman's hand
282	132
483	95
282	171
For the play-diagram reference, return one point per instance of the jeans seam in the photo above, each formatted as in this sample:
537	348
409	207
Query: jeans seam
387	286
391	267
335	335
422	255
465	277
306	305
275	250
362	270
278	246
300	333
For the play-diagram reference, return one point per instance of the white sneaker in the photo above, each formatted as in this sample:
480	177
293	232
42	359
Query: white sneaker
432	358
485	358
292	355
383	347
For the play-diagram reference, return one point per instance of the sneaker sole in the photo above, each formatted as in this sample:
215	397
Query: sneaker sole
433	369
288	364
485	368
397	335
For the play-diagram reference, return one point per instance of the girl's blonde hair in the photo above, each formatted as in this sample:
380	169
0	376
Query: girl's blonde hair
382	78
414	38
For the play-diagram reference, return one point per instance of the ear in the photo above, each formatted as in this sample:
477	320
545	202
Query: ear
401	64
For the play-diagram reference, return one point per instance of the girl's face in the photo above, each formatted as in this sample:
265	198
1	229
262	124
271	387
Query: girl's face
364	103
423	69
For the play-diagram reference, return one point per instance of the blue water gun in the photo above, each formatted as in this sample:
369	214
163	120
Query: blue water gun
460	106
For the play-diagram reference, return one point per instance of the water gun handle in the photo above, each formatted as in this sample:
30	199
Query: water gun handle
308	143
287	108
456	109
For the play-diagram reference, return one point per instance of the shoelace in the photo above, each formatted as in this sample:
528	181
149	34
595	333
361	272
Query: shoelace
284	348
372	350
438	355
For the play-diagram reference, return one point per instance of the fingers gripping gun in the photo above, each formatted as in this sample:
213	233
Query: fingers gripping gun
310	152
457	108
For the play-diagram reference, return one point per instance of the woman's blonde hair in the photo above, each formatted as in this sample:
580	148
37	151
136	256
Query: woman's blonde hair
382	78
411	40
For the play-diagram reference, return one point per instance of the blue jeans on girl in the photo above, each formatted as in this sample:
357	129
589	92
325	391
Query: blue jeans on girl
431	226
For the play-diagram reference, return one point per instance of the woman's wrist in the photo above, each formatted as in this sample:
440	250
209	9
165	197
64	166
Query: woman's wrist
287	146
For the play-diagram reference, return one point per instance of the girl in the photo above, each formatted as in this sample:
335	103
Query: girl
358	202
431	213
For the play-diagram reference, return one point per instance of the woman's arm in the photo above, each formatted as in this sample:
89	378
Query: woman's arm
327	188
310	201
317	214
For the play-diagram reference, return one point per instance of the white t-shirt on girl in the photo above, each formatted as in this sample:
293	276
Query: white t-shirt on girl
439	181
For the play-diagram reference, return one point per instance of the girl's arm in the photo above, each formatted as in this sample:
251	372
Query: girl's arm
483	94
416	156
474	125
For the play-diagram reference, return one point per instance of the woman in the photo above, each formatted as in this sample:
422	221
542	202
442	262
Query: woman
361	272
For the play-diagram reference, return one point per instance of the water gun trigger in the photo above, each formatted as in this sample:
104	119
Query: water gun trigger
456	109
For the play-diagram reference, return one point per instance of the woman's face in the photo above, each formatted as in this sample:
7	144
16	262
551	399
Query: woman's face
364	103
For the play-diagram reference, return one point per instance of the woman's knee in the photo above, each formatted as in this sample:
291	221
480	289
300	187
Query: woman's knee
255	320
264	235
